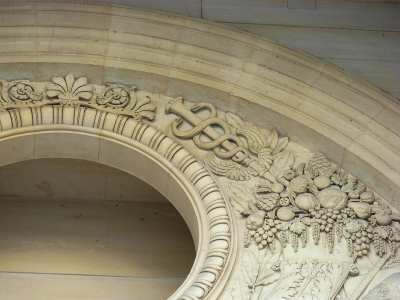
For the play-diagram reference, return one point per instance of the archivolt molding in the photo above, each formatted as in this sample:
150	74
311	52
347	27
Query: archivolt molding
67	102
306	226
299	94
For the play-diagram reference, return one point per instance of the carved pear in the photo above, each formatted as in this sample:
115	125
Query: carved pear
362	210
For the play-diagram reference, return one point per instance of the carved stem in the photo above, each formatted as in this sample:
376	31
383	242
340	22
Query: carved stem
368	278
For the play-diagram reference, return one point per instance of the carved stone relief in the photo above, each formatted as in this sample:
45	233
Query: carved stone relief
119	110
68	91
308	229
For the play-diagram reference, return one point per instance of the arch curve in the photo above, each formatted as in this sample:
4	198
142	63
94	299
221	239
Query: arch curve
313	102
143	151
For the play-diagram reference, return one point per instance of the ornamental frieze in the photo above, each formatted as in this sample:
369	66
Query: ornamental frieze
307	229
68	91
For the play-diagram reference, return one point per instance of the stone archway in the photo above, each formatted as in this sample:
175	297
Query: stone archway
143	151
255	79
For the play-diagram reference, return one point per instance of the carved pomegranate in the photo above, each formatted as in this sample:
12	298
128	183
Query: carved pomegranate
299	184
306	201
362	210
255	220
332	197
285	214
322	182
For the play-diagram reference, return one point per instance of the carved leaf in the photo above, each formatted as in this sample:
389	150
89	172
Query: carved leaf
146	108
226	168
265	157
60	84
396	231
267	277
254	137
240	290
306	221
282	144
243	199
297	227
69	80
381	231
250	267
353	226
282	162
54	89
272	139
307	269
79	83
234	120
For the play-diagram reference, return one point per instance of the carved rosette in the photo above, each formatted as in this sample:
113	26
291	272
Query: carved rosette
69	91
19	92
119	97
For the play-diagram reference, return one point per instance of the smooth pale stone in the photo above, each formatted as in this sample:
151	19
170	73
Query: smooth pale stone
67	287
343	14
17	149
121	187
66	145
175	192
383	74
185	7
94	238
122	157
333	43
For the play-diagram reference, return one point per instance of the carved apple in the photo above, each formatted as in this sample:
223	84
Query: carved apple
383	219
306	201
322	182
285	214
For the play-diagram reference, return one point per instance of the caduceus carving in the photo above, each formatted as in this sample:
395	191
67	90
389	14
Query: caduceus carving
224	145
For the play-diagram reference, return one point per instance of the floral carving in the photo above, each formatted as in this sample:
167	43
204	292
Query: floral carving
70	90
114	98
259	269
18	92
120	97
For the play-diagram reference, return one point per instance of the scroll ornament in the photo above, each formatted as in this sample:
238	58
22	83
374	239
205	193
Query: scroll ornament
114	98
313	218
